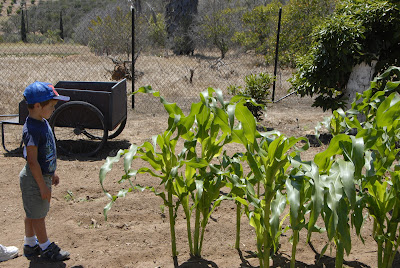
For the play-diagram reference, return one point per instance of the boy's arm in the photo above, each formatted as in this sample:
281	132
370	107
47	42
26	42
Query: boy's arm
31	158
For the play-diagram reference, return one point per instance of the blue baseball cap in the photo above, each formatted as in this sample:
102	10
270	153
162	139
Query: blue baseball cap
42	91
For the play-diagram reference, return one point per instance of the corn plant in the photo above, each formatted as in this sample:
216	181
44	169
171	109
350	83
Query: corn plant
191	175
267	155
335	184
237	182
376	151
298	192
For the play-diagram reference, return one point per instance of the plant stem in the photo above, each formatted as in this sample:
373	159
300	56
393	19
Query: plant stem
203	229
171	221
377	233
392	230
339	254
188	227
197	232
295	241
238	213
267	239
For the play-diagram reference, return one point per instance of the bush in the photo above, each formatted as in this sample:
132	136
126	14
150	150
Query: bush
357	32
218	28
157	31
260	24
258	88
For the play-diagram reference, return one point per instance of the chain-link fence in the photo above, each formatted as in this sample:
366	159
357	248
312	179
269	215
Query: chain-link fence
52	41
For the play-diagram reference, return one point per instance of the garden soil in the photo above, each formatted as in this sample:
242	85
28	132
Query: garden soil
136	233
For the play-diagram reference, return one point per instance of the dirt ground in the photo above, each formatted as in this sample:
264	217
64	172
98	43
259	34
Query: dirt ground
137	231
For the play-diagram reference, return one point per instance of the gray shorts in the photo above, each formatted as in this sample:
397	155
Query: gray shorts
35	207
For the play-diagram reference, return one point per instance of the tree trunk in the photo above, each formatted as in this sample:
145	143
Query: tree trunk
138	6
359	81
179	15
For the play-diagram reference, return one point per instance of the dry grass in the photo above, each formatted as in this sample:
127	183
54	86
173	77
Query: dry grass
22	64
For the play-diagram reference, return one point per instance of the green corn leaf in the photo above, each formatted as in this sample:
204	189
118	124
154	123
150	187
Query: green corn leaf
343	227
388	111
277	207
106	167
347	178
254	165
247	120
293	189
128	158
323	159
317	197
107	208
199	188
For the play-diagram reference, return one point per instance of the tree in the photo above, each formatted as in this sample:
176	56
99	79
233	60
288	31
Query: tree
179	15
358	31
23	28
61	26
112	34
298	20
260	28
217	28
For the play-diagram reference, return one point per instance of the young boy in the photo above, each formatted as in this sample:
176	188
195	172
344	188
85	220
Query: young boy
39	174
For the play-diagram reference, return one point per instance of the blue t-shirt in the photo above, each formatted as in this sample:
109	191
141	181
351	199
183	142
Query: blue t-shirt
38	133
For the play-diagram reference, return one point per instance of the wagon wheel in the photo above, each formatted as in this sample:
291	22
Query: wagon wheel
117	130
78	128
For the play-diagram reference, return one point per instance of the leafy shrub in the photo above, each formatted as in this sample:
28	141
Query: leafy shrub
157	31
260	28
357	32
299	17
218	30
258	88
109	34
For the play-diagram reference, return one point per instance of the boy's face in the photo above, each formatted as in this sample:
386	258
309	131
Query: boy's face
48	109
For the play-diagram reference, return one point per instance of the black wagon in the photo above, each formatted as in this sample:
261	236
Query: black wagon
96	112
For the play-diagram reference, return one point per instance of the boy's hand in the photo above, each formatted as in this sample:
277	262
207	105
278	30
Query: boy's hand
55	180
45	192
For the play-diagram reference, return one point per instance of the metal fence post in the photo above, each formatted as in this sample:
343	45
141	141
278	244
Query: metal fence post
276	53
133	55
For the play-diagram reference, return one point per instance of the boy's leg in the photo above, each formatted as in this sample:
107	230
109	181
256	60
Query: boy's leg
39	228
48	250
29	232
31	248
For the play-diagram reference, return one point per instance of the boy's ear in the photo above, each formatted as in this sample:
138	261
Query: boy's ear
36	105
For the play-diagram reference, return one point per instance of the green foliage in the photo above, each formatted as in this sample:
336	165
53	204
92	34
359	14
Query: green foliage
218	30
190	175
111	35
9	10
354	174
358	31
260	28
52	37
45	15
157	31
373	155
299	17
257	87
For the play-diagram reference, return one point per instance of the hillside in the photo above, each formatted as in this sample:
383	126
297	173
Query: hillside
17	5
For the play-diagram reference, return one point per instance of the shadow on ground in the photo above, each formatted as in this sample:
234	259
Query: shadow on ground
40	263
280	261
110	148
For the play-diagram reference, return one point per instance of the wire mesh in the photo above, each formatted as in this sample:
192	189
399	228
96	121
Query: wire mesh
45	56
